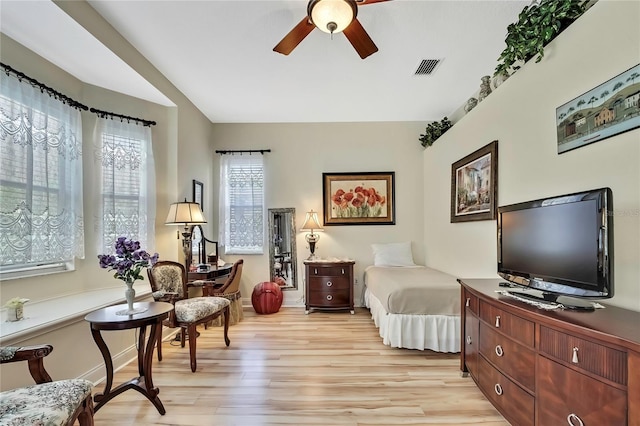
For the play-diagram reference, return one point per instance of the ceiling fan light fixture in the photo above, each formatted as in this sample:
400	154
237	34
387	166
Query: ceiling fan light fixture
332	16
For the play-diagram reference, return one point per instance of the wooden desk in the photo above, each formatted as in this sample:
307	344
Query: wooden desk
217	272
106	319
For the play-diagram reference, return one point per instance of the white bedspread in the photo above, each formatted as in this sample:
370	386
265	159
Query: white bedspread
414	291
414	308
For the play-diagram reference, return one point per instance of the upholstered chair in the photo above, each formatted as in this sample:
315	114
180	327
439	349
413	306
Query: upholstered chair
230	290
169	284
50	403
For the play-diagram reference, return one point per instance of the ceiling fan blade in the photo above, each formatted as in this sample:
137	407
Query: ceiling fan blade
365	2
359	39
295	36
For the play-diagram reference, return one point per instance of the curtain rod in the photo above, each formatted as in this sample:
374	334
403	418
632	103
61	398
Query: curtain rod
107	114
44	88
241	151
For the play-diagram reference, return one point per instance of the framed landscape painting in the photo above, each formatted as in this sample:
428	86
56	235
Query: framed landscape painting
607	110
365	198
474	185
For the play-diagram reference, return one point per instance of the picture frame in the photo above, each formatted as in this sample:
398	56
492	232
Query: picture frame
607	110
365	198
198	193
474	185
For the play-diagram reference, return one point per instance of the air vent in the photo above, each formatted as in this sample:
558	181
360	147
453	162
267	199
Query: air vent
427	66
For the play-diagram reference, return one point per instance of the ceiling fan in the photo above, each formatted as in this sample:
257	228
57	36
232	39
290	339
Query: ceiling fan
331	16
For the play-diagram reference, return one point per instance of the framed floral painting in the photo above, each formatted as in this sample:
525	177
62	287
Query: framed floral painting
365	198
474	181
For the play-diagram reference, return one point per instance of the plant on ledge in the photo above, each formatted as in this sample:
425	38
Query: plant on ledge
433	131
537	25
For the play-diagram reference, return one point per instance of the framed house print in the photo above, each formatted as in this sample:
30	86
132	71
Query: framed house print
365	198
198	190
609	109
474	185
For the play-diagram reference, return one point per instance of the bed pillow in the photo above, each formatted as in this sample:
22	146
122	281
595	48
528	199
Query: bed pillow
392	254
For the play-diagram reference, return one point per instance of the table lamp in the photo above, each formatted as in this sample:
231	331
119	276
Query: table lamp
186	214
311	224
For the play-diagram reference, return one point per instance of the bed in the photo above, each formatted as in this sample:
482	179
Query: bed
414	307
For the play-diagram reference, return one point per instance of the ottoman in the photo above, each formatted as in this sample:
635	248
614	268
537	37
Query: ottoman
266	298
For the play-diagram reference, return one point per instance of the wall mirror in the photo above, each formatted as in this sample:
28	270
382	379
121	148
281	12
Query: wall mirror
282	247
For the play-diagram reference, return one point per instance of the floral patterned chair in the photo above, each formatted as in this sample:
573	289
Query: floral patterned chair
169	284
46	403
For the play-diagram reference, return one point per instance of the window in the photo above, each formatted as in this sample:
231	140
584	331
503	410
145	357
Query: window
242	204
41	217
125	175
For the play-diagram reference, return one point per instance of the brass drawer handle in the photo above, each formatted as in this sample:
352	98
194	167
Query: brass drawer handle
574	357
342	271
468	302
329	283
329	297
499	350
468	340
570	420
498	389
497	321
315	271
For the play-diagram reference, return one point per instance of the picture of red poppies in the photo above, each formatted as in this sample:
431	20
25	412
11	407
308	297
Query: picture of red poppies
357	199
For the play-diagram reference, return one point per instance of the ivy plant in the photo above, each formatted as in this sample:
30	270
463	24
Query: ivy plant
433	131
537	25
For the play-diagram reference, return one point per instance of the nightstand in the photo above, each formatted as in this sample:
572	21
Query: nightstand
329	285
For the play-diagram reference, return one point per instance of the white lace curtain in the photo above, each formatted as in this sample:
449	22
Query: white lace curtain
41	218
242	215
124	185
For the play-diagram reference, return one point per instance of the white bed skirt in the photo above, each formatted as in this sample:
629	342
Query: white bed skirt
440	333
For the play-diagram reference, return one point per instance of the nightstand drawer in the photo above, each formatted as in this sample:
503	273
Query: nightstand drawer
328	270
584	354
328	283
329	298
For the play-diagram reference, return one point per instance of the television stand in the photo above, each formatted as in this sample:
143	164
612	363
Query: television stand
559	367
549	299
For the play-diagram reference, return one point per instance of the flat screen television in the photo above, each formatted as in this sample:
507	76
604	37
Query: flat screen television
562	246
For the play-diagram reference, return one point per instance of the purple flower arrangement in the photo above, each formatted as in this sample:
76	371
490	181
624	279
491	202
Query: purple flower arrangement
128	261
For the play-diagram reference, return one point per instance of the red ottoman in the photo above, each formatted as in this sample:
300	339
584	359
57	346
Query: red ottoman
266	298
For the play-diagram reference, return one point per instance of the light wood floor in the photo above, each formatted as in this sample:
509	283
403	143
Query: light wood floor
294	369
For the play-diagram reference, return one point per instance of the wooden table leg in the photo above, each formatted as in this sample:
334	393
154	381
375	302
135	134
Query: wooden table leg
143	383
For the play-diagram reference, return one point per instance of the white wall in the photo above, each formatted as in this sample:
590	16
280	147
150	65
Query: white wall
520	114
300	154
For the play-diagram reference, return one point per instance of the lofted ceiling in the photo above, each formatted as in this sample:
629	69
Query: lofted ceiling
219	54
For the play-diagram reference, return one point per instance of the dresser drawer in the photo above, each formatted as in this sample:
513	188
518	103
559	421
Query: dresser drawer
513	326
333	298
587	355
470	301
513	359
566	396
326	283
513	402
329	270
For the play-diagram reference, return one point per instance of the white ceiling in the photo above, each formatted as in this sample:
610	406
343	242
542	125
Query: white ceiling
219	54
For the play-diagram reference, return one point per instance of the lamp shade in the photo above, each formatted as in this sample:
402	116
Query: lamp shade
332	16
311	222
184	212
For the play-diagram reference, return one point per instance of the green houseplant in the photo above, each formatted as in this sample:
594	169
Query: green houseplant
537	25
433	131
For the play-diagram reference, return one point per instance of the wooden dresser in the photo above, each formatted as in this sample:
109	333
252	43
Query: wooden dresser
329	285
551	367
